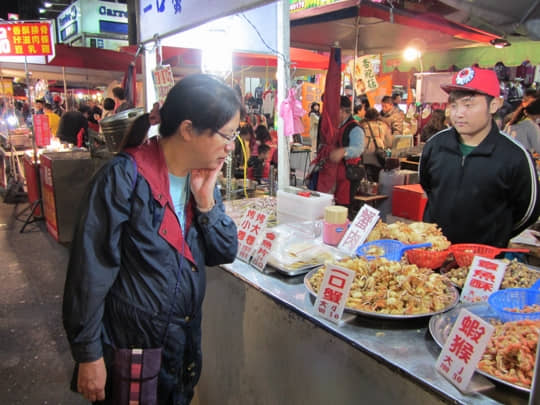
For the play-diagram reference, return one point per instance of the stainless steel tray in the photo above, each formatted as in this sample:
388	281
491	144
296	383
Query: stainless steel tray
440	326
454	302
293	272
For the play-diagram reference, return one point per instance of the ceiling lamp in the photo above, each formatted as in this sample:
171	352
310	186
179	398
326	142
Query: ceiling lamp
500	43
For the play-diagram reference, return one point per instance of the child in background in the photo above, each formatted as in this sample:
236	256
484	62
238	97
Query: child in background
258	166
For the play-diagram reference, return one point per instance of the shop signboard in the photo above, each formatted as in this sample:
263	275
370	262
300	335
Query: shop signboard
163	81
299	5
168	17
484	278
464	349
93	17
365	70
26	38
47	195
334	292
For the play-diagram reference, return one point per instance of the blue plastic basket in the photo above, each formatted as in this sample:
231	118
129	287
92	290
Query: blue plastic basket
515	298
390	249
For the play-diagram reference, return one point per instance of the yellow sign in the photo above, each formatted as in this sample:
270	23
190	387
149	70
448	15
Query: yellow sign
364	74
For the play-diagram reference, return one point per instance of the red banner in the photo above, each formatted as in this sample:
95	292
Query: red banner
42	130
26	39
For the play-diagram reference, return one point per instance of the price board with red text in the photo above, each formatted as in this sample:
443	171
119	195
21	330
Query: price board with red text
25	38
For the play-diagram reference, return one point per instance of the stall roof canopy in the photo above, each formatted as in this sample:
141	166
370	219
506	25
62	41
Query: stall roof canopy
382	28
300	58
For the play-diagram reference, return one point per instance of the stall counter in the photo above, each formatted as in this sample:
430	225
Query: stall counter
262	344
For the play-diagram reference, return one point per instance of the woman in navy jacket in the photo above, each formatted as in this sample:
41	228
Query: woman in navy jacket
152	221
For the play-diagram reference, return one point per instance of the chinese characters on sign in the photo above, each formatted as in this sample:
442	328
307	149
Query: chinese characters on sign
334	292
252	225
26	39
484	278
261	252
364	73
42	131
464	349
163	81
359	230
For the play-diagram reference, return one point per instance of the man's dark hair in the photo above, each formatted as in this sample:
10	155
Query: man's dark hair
358	107
533	108
387	100
459	94
119	93
395	96
345	103
108	104
372	114
48	106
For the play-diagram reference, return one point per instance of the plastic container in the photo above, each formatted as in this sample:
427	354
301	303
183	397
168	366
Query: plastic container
388	248
298	208
430	259
464	252
333	233
516	298
387	180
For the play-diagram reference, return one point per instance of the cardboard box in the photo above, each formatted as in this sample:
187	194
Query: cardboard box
409	201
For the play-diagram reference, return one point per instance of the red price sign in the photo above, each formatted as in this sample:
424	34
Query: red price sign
252	225
26	39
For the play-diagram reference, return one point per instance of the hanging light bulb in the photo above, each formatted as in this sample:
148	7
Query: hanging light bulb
216	52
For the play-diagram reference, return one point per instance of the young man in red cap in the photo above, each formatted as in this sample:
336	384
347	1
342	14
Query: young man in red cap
481	184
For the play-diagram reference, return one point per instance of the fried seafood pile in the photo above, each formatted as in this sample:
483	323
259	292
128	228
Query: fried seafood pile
416	232
387	287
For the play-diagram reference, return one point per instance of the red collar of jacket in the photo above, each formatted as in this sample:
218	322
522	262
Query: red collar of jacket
151	165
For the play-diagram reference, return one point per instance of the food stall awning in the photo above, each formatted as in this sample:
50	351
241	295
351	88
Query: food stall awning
381	28
83	67
300	58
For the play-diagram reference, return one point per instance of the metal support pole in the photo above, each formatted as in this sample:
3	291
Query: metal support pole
283	45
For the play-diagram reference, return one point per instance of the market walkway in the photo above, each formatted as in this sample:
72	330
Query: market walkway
35	363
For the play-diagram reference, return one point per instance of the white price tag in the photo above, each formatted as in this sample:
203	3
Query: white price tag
262	250
359	230
464	349
484	278
334	292
252	225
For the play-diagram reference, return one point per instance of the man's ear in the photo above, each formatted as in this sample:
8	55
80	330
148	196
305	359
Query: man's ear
495	104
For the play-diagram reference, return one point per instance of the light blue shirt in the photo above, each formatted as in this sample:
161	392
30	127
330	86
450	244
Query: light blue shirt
356	142
178	188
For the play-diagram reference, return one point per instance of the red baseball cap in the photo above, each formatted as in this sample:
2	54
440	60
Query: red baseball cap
483	81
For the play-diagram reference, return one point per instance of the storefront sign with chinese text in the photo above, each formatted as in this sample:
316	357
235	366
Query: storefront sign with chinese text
26	39
464	349
262	250
359	230
365	74
334	292
485	277
163	81
252	225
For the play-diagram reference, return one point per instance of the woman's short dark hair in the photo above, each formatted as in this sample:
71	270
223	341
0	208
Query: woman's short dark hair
246	130
262	134
371	114
202	99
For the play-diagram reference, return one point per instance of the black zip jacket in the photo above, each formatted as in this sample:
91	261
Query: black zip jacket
485	197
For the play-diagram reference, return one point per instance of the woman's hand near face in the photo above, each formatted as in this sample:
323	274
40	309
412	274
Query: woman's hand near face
203	182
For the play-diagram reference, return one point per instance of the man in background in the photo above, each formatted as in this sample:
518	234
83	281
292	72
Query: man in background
54	119
392	115
119	96
481	184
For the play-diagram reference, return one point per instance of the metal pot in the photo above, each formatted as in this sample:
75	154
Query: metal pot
115	126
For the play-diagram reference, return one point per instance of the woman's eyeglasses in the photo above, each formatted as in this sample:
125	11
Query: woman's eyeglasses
228	138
